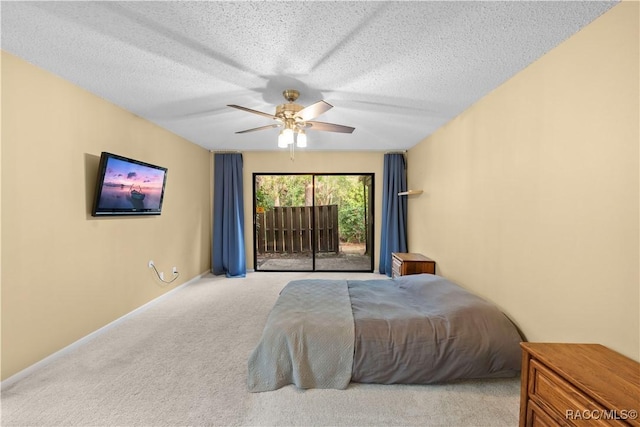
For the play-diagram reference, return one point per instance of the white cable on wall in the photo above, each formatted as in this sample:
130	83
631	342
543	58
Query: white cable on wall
161	275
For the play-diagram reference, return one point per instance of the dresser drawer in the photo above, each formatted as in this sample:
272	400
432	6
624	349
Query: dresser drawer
536	417
573	384
562	401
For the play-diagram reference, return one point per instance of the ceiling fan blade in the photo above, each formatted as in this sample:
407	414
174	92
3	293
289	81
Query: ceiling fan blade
275	125
271	116
330	127
313	110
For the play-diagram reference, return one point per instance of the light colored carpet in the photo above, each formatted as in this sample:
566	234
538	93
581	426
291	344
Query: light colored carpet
182	361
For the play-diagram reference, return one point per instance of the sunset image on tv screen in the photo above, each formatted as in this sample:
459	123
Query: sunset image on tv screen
130	185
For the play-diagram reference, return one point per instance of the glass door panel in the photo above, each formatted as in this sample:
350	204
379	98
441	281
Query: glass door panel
283	222
342	222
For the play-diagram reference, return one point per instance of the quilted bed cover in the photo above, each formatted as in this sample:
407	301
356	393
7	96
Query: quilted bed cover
416	329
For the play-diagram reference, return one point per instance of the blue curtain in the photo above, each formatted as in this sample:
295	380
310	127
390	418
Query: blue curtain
228	217
394	211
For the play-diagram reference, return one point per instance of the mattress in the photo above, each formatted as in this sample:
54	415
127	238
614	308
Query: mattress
417	329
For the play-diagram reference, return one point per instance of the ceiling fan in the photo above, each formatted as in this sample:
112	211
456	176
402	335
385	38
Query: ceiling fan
295	118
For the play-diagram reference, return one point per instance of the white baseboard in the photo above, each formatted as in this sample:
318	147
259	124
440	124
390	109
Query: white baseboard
63	351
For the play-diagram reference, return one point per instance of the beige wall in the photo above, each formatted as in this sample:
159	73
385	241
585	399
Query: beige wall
64	273
531	196
307	161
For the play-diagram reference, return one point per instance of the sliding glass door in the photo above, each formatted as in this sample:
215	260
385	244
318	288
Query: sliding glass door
313	222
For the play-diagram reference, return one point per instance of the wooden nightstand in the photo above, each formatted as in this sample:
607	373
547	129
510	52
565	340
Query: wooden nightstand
409	263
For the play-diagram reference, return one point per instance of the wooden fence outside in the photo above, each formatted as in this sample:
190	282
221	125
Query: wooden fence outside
288	229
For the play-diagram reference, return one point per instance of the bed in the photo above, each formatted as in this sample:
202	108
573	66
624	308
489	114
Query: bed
417	329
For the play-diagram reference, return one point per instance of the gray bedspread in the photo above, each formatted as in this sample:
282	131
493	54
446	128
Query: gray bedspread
416	329
308	338
422	329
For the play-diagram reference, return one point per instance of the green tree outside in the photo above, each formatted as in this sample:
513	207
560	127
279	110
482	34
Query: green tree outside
346	191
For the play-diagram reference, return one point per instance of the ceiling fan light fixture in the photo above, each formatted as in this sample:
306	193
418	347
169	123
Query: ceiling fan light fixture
301	139
282	140
294	118
285	138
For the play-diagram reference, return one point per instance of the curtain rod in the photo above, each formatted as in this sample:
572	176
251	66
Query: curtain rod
396	152
224	151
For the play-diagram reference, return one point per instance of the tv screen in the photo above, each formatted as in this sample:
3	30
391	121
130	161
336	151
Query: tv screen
128	187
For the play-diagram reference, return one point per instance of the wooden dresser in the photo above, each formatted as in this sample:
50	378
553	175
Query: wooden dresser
409	263
578	385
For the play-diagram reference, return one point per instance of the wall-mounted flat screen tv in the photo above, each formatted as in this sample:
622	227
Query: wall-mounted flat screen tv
128	187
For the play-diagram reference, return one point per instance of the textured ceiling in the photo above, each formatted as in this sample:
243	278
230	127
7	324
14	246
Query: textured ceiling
396	71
